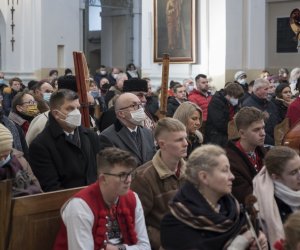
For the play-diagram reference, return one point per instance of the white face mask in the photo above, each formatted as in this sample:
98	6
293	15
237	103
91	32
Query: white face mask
242	81
103	72
115	76
138	116
5	161
190	88
233	101
73	119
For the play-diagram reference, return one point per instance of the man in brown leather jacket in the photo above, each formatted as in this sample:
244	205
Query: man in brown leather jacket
158	180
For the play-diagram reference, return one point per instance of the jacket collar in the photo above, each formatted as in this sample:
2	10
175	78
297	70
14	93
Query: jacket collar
162	169
196	91
259	100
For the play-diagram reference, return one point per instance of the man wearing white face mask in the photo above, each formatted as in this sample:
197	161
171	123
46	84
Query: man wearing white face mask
127	133
63	155
221	109
241	78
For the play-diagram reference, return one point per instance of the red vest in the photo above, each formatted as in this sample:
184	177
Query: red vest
125	216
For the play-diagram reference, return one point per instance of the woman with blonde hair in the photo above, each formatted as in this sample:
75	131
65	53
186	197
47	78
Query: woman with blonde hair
203	214
190	114
277	188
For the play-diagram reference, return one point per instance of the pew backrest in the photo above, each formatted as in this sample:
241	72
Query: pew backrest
34	219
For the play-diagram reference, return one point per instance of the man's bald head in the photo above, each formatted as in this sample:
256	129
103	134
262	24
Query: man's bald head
125	100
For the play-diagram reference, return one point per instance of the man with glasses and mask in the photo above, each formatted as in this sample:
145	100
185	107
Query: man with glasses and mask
127	132
139	87
107	214
63	155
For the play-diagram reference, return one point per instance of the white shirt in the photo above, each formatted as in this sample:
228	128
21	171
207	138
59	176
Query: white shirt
79	220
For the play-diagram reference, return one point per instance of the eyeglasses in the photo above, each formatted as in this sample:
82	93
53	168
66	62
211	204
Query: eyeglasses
135	106
29	102
124	176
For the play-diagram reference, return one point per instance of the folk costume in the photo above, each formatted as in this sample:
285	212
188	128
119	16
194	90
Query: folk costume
88	223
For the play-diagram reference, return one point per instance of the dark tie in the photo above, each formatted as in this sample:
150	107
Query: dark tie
137	140
70	136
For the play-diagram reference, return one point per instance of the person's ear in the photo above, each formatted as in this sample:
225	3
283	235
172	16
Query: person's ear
19	108
241	132
102	178
275	177
161	143
56	114
120	114
203	177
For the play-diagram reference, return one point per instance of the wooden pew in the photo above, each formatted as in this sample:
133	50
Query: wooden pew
5	205
34	220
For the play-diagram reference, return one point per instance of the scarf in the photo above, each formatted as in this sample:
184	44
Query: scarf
191	208
263	189
287	195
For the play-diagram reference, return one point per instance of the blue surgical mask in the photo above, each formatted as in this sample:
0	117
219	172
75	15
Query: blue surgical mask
5	161
95	94
1	81
46	96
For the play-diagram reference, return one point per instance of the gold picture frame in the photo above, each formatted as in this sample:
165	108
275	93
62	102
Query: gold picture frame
174	30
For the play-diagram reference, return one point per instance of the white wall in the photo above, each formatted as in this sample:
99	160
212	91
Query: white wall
39	27
60	26
246	30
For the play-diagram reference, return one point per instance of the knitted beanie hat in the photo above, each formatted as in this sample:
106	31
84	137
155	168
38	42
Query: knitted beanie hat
6	139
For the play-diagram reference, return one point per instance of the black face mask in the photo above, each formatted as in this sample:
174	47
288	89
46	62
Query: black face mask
25	117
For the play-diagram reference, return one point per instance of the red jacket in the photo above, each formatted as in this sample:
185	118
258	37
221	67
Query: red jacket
293	112
201	100
125	216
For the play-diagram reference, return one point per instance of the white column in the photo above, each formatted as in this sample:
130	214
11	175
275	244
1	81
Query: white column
217	41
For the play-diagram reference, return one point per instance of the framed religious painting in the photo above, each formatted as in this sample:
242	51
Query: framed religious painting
174	30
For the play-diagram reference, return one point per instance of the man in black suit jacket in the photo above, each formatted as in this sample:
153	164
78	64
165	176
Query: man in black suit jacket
127	133
63	155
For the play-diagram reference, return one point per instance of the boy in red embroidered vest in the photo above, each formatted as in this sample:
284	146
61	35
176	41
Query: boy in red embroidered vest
107	214
246	154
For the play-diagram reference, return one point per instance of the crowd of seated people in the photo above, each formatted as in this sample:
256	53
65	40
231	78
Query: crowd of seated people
191	177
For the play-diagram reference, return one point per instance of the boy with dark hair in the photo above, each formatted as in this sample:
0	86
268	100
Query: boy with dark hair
178	98
106	214
246	154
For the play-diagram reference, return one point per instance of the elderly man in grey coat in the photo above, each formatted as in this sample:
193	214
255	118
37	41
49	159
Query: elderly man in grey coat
127	133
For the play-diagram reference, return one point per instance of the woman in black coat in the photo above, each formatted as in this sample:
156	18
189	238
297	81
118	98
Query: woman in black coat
282	100
204	215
